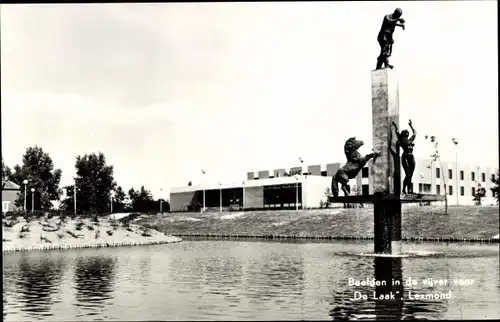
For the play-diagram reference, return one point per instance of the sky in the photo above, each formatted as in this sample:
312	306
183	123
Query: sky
165	90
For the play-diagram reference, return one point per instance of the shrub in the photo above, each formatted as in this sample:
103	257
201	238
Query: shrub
45	239
10	223
109	232
79	225
72	234
115	224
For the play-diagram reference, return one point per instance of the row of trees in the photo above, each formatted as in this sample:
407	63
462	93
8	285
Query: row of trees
96	188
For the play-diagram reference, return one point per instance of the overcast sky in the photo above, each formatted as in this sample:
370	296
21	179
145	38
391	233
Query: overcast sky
164	90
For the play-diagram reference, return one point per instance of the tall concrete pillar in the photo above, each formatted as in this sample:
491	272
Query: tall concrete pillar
385	171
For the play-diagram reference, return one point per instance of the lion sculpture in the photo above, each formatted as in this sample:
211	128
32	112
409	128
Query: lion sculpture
355	162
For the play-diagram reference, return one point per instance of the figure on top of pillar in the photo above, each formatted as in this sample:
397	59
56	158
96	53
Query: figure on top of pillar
407	159
385	38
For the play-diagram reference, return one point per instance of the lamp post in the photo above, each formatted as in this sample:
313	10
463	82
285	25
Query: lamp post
161	201
25	182
243	198
296	193
220	196
111	202
32	199
455	141
301	165
74	195
203	171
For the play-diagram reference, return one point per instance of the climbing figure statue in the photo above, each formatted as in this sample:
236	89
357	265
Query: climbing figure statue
385	39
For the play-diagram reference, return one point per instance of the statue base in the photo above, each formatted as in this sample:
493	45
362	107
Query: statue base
411	198
387	217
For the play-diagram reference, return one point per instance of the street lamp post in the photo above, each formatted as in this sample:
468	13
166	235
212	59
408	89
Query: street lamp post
32	199
296	193
301	165
203	171
161	201
25	182
455	141
220	196
243	198
111	202
74	195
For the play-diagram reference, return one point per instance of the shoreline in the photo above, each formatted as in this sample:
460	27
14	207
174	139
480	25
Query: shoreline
90	245
312	237
44	234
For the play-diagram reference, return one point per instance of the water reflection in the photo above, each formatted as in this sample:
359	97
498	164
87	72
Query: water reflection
433	268
145	267
94	278
231	280
389	294
381	301
275	275
37	283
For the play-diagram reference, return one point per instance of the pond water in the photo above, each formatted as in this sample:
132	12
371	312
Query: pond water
248	280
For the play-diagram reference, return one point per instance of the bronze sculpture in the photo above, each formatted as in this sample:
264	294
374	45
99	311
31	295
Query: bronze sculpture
355	162
385	38
407	143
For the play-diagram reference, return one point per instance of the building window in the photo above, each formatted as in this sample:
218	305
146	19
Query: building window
473	176
438	173
323	173
365	189
461	175
438	189
270	177
427	187
462	191
450	174
450	190
364	172
424	187
473	191
492	177
483	176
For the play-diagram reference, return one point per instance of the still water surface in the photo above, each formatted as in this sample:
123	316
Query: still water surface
243	280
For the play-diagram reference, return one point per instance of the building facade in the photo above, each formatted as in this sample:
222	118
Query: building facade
10	193
276	189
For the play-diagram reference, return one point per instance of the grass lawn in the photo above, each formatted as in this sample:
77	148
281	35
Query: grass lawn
425	221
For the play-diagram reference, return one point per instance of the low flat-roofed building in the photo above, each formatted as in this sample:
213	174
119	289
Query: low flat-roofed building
276	189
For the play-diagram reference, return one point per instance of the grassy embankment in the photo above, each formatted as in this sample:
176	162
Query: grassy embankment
428	222
42	233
